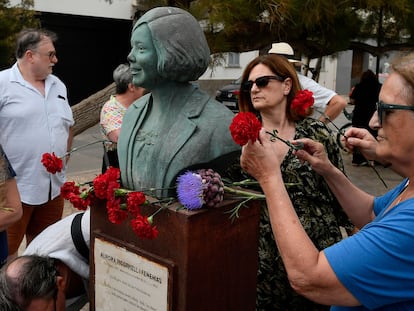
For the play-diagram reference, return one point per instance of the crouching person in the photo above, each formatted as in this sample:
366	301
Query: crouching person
53	273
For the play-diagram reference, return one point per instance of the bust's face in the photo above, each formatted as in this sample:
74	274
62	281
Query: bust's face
143	58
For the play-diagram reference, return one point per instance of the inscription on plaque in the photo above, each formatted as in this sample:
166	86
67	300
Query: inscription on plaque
127	281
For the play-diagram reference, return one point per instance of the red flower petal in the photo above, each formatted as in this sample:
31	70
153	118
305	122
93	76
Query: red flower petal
143	228
244	127
52	163
302	102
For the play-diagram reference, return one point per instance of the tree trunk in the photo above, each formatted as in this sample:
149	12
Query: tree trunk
87	112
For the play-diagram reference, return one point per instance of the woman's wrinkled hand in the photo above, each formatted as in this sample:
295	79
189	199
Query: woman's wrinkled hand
361	139
259	159
313	153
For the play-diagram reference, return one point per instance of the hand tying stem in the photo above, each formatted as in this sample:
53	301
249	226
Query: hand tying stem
274	136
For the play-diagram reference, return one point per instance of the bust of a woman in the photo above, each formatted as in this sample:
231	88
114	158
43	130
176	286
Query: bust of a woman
176	126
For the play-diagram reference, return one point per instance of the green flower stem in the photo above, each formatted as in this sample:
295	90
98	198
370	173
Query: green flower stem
379	176
162	206
334	125
234	212
245	194
83	146
273	136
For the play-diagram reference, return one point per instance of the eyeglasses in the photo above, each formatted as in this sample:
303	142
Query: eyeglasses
382	107
51	54
260	82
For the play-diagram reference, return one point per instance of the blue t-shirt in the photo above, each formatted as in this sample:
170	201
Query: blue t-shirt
377	264
6	172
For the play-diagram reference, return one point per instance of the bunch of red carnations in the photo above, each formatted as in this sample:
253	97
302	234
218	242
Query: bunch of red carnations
120	203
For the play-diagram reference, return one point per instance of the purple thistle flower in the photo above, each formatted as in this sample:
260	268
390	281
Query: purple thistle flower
190	190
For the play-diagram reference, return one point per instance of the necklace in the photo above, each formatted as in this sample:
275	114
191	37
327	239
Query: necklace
401	196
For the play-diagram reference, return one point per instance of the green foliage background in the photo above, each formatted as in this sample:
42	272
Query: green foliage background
12	20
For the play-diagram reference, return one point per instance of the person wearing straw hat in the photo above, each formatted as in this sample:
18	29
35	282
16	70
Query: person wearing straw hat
326	99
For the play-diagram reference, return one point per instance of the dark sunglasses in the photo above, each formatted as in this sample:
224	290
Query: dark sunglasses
382	107
260	82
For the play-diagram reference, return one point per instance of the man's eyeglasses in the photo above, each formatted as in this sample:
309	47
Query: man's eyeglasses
51	54
260	82
382	107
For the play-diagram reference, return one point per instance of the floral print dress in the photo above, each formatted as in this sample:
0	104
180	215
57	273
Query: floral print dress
319	212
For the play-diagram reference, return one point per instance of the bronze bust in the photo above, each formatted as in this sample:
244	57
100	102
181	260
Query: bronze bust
177	126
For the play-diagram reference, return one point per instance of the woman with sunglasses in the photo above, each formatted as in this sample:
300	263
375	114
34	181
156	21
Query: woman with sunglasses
269	86
374	268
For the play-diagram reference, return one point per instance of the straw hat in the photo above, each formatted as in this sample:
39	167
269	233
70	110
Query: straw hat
284	49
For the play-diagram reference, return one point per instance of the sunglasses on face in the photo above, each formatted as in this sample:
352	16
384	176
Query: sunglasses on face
260	82
383	107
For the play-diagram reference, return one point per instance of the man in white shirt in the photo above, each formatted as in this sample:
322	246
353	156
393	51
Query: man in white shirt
327	101
35	118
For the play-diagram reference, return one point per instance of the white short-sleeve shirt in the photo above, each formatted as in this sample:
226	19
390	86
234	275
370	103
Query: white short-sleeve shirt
30	125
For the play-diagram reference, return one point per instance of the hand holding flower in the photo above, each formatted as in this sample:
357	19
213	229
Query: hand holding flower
259	159
314	153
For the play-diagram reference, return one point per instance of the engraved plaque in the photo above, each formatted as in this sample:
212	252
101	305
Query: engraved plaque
125	280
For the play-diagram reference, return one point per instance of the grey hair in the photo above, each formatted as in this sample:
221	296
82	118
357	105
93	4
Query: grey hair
29	38
6	304
35	279
122	77
180	43
404	66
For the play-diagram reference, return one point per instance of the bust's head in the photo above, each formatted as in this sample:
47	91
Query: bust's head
174	43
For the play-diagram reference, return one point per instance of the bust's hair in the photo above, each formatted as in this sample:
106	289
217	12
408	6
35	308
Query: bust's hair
181	46
29	38
122	77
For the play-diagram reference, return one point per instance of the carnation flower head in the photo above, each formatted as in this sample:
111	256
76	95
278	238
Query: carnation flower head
68	188
244	127
134	201
302	103
143	228
52	163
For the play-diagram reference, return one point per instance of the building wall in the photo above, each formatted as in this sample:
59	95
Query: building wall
329	77
118	9
88	50
94	38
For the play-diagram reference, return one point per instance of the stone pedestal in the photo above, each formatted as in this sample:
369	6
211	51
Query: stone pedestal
201	260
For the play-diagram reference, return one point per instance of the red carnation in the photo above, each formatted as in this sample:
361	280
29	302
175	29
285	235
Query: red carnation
112	174
302	102
112	186
52	163
142	227
244	127
68	188
116	215
134	202
100	186
78	202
